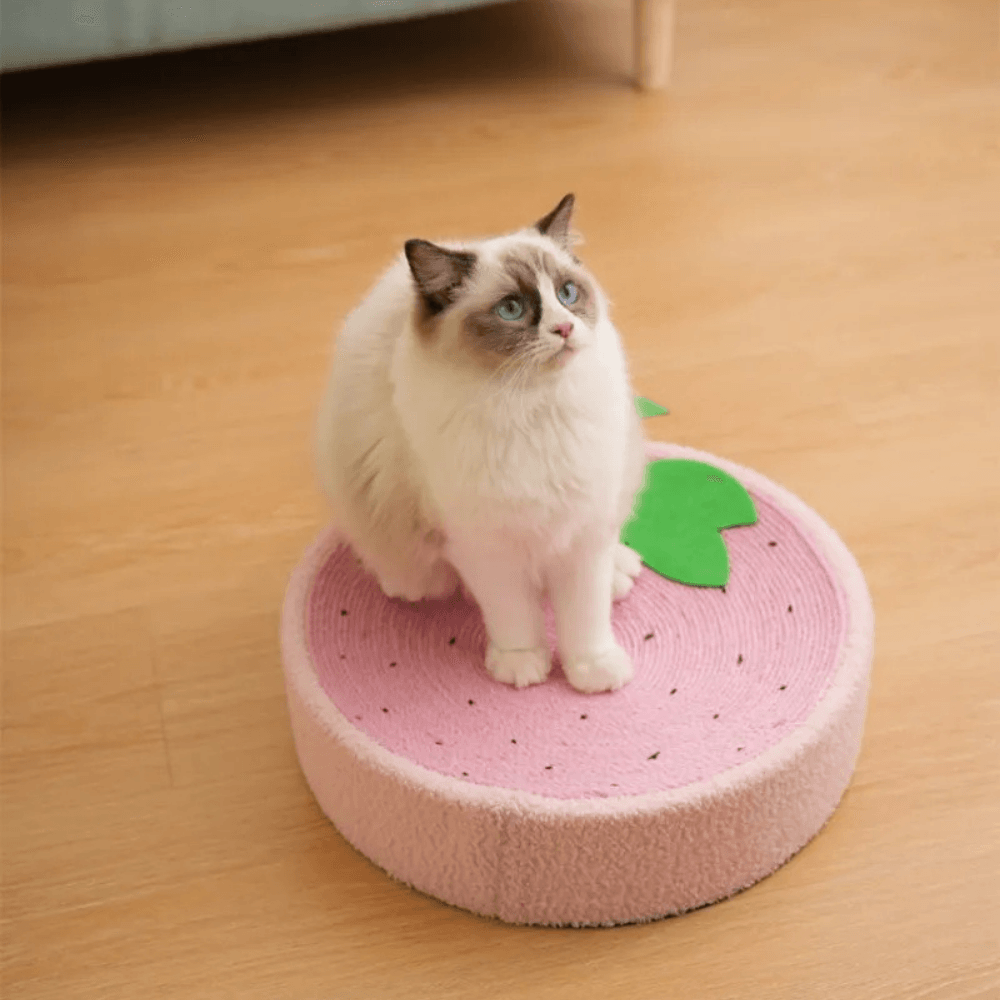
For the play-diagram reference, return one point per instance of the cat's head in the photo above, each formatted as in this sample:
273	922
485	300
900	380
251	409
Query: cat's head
522	299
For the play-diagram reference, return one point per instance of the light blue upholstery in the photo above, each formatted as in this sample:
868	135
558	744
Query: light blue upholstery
45	32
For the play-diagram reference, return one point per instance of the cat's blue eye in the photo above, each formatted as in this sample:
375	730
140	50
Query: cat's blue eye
568	294
510	309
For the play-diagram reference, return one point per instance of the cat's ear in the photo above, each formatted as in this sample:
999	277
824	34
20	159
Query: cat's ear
555	225
438	272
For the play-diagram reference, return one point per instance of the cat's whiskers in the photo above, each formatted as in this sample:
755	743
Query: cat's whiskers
505	383
496	385
516	399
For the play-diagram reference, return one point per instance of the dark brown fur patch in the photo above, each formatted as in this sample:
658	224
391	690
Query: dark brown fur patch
556	224
521	271
438	274
585	307
506	337
501	336
540	261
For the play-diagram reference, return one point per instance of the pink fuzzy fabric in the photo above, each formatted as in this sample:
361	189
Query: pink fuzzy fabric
721	759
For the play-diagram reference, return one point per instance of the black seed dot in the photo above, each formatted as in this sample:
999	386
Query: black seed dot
738	749
647	637
393	663
548	767
716	715
653	756
343	611
583	716
513	741
673	690
723	589
613	785
465	774
789	609
772	544
783	686
471	702
385	710
438	743
451	641
739	659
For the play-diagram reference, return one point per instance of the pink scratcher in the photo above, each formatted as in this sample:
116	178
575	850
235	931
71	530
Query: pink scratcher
719	761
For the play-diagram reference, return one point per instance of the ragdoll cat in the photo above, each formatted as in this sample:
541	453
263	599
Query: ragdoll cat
479	424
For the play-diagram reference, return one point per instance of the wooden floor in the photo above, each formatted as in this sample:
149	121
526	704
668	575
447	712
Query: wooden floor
802	239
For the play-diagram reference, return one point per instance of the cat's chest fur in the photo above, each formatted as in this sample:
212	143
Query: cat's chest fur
525	463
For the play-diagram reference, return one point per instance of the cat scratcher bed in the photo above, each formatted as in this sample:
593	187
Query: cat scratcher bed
724	756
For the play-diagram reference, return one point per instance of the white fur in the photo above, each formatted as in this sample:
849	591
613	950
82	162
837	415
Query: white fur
520	480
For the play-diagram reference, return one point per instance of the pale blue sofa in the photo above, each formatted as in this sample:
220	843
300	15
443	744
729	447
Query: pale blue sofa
37	33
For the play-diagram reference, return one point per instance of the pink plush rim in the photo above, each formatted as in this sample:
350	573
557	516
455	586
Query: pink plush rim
529	859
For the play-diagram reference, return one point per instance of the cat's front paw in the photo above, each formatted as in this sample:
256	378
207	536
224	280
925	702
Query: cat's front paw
442	581
605	670
628	566
519	667
432	583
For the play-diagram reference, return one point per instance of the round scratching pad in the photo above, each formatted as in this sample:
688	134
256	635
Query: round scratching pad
722	758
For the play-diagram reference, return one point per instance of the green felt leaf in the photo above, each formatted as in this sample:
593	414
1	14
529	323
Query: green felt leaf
678	516
647	408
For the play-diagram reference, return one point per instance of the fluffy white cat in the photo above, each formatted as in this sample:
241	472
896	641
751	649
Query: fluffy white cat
479	424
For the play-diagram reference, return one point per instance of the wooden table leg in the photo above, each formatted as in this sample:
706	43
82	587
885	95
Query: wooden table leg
653	30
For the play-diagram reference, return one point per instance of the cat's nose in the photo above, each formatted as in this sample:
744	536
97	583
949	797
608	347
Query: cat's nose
563	329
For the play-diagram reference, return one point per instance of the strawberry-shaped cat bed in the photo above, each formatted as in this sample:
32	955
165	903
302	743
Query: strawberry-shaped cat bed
723	757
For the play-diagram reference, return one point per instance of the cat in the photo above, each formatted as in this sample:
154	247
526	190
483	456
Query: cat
479	428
